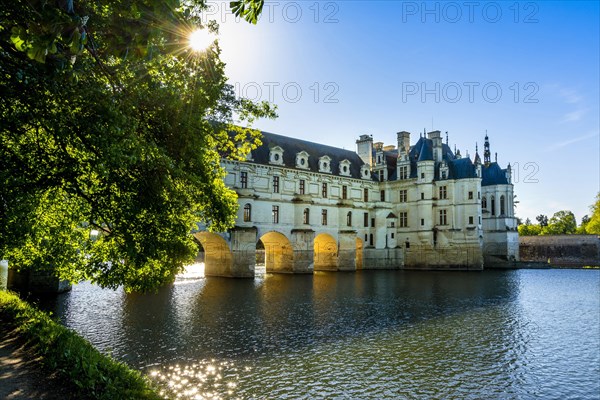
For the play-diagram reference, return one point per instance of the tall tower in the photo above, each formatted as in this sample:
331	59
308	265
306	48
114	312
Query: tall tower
486	151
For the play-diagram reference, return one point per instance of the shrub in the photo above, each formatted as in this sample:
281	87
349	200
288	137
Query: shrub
92	374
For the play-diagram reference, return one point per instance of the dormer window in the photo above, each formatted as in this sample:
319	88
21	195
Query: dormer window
365	172
302	160
345	168
325	164
276	156
443	170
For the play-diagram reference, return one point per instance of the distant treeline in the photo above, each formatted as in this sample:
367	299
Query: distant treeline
564	222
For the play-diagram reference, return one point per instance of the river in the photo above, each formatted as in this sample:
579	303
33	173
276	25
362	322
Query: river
373	334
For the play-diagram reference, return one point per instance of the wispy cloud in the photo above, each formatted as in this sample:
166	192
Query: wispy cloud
574	116
559	145
570	96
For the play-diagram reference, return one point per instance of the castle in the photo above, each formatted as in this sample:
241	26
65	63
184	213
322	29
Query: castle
313	207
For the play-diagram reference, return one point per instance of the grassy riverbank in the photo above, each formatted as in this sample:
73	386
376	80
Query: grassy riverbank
90	373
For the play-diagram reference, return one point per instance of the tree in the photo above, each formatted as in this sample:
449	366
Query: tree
562	222
111	123
581	229
529	230
593	226
542	220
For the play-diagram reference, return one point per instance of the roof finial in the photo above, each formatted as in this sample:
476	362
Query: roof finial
496	157
476	148
446	138
486	150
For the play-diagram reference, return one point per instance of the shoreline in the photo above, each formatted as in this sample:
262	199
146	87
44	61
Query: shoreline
43	347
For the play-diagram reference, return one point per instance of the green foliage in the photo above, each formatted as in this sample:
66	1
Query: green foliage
561	223
542	220
593	226
109	121
581	229
529	230
91	374
247	9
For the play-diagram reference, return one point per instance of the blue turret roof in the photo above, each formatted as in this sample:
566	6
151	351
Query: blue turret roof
492	174
461	168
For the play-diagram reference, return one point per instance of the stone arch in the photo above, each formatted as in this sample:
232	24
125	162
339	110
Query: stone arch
325	253
217	256
359	253
278	252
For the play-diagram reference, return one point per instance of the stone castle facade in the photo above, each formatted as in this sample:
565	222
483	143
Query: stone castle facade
313	207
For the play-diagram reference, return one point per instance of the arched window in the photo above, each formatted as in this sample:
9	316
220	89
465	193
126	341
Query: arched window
306	216
247	213
349	218
502	206
484	203
493	201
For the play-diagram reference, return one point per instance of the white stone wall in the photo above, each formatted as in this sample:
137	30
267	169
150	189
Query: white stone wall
424	232
259	194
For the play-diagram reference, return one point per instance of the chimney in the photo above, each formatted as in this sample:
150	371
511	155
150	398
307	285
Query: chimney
436	138
364	148
403	141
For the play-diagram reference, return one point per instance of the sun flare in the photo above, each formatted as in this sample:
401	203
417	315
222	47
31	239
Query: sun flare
200	39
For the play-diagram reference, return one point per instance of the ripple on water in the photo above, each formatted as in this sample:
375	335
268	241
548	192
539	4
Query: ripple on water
510	335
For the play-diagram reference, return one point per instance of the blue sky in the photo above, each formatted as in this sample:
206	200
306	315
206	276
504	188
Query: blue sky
527	72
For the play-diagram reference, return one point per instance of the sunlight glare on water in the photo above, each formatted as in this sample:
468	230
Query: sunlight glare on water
192	271
377	334
206	379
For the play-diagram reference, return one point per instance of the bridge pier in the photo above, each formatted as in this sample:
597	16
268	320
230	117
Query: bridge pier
243	252
347	251
304	250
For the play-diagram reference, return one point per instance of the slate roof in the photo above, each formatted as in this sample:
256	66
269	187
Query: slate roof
461	168
293	146
458	168
493	175
423	151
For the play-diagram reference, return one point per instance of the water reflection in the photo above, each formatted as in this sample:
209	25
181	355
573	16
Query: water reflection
371	334
192	271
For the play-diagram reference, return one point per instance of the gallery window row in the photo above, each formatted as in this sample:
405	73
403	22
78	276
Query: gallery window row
402	217
302	187
247	215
